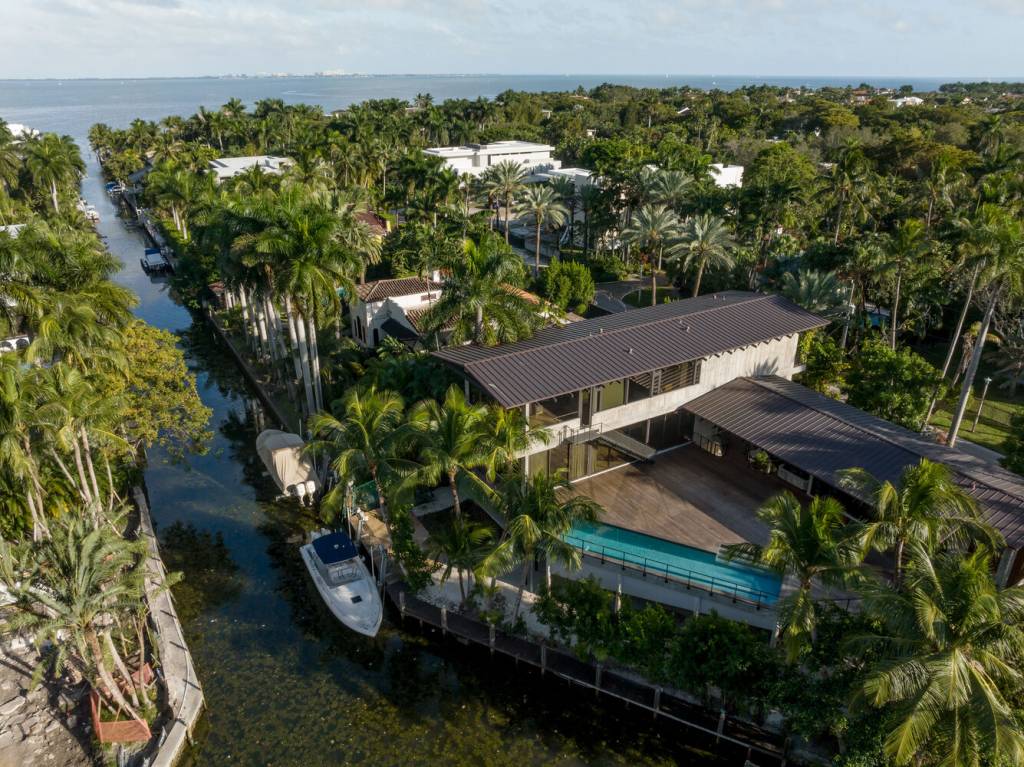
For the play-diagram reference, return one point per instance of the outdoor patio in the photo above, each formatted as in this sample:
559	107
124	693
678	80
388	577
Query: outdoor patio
686	496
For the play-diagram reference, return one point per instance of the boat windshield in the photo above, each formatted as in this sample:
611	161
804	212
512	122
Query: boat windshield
343	572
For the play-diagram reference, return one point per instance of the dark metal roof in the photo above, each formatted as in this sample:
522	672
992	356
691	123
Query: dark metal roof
823	436
380	290
558	360
396	329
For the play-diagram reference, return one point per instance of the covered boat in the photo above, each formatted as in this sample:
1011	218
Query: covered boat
344	582
281	453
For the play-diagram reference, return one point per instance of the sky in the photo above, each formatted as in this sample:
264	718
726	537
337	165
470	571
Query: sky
155	38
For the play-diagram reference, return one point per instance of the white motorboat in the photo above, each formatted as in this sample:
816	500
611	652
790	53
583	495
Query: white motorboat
293	472
344	582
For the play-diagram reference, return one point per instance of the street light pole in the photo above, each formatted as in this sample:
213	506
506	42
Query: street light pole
984	393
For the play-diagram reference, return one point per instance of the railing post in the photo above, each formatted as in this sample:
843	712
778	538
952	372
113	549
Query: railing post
490	636
543	657
721	725
444	620
401	604
657	700
597	677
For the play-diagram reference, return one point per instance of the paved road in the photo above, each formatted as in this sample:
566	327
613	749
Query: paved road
609	295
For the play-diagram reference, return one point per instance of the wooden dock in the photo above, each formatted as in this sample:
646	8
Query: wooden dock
726	735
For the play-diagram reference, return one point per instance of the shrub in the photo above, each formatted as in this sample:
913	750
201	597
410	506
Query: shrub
1013	447
568	283
824	362
579	613
895	385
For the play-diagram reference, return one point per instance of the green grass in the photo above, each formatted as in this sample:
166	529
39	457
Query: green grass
994	424
642	298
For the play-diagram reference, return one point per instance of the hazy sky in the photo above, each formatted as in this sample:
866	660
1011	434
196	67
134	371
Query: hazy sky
119	38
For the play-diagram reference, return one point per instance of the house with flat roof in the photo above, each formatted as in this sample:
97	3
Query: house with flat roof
726	176
229	167
475	159
665	415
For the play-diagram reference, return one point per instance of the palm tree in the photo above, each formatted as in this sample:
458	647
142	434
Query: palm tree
508	436
477	302
362	438
928	508
566	190
951	649
908	245
851	185
810	544
541	204
503	182
19	398
451	441
653	229
705	241
72	590
1003	275
537	521
674	189
53	162
464	545
813	290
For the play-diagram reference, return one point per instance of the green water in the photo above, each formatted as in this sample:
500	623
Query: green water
285	684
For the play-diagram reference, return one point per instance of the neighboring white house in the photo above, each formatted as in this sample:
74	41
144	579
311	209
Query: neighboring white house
12	229
581	177
727	175
475	159
391	308
229	167
907	101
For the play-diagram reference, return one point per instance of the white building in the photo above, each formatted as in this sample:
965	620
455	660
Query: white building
475	159
391	308
907	101
21	132
581	177
229	167
727	176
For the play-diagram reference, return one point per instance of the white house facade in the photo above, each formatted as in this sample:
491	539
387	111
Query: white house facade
475	159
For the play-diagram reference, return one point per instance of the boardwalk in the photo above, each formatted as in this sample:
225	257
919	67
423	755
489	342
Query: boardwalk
727	735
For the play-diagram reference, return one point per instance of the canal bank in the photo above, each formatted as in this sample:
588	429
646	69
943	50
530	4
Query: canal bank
284	683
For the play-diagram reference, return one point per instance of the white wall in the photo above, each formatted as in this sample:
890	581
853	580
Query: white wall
776	357
376	313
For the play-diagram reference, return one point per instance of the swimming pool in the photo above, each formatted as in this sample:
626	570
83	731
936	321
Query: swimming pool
683	564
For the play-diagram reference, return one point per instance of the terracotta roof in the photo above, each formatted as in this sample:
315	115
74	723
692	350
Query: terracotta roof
378	225
567	358
381	290
823	436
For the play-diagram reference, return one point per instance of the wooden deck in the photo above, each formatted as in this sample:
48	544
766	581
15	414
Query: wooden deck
686	496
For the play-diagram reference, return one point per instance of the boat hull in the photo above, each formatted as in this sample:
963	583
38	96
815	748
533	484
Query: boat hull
363	617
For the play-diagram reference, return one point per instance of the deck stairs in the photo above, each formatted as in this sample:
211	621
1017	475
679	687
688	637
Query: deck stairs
626	444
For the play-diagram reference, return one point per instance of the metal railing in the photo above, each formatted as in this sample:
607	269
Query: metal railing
691	579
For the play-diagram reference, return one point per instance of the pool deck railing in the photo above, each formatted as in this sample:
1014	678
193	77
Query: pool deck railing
691	579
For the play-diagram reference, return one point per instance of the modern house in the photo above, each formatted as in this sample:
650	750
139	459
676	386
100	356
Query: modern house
907	101
580	177
727	176
682	420
229	167
392	308
475	159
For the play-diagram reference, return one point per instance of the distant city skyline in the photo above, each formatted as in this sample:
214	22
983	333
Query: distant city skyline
187	38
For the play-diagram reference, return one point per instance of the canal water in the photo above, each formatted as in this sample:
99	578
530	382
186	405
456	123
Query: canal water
284	683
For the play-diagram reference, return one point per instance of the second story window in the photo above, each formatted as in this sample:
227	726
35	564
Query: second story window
680	376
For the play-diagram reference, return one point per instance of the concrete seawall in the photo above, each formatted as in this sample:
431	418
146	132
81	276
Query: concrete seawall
184	693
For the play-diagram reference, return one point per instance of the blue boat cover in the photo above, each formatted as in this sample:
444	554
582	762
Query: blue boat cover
334	547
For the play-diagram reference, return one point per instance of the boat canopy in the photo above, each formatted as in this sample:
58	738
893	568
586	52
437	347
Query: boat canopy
281	453
334	547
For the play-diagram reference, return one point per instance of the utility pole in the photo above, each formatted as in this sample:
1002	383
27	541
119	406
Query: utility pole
984	393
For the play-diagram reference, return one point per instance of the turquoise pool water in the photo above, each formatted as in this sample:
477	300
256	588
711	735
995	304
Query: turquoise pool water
681	563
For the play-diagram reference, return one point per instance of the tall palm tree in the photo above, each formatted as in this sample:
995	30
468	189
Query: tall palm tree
19	398
909	244
1003	276
950	652
54	162
566	190
464	545
851	186
451	441
705	241
477	301
654	228
504	181
927	508
508	435
362	438
674	189
541	204
537	521
808	543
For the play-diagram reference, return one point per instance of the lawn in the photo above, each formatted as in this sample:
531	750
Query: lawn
993	426
642	298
